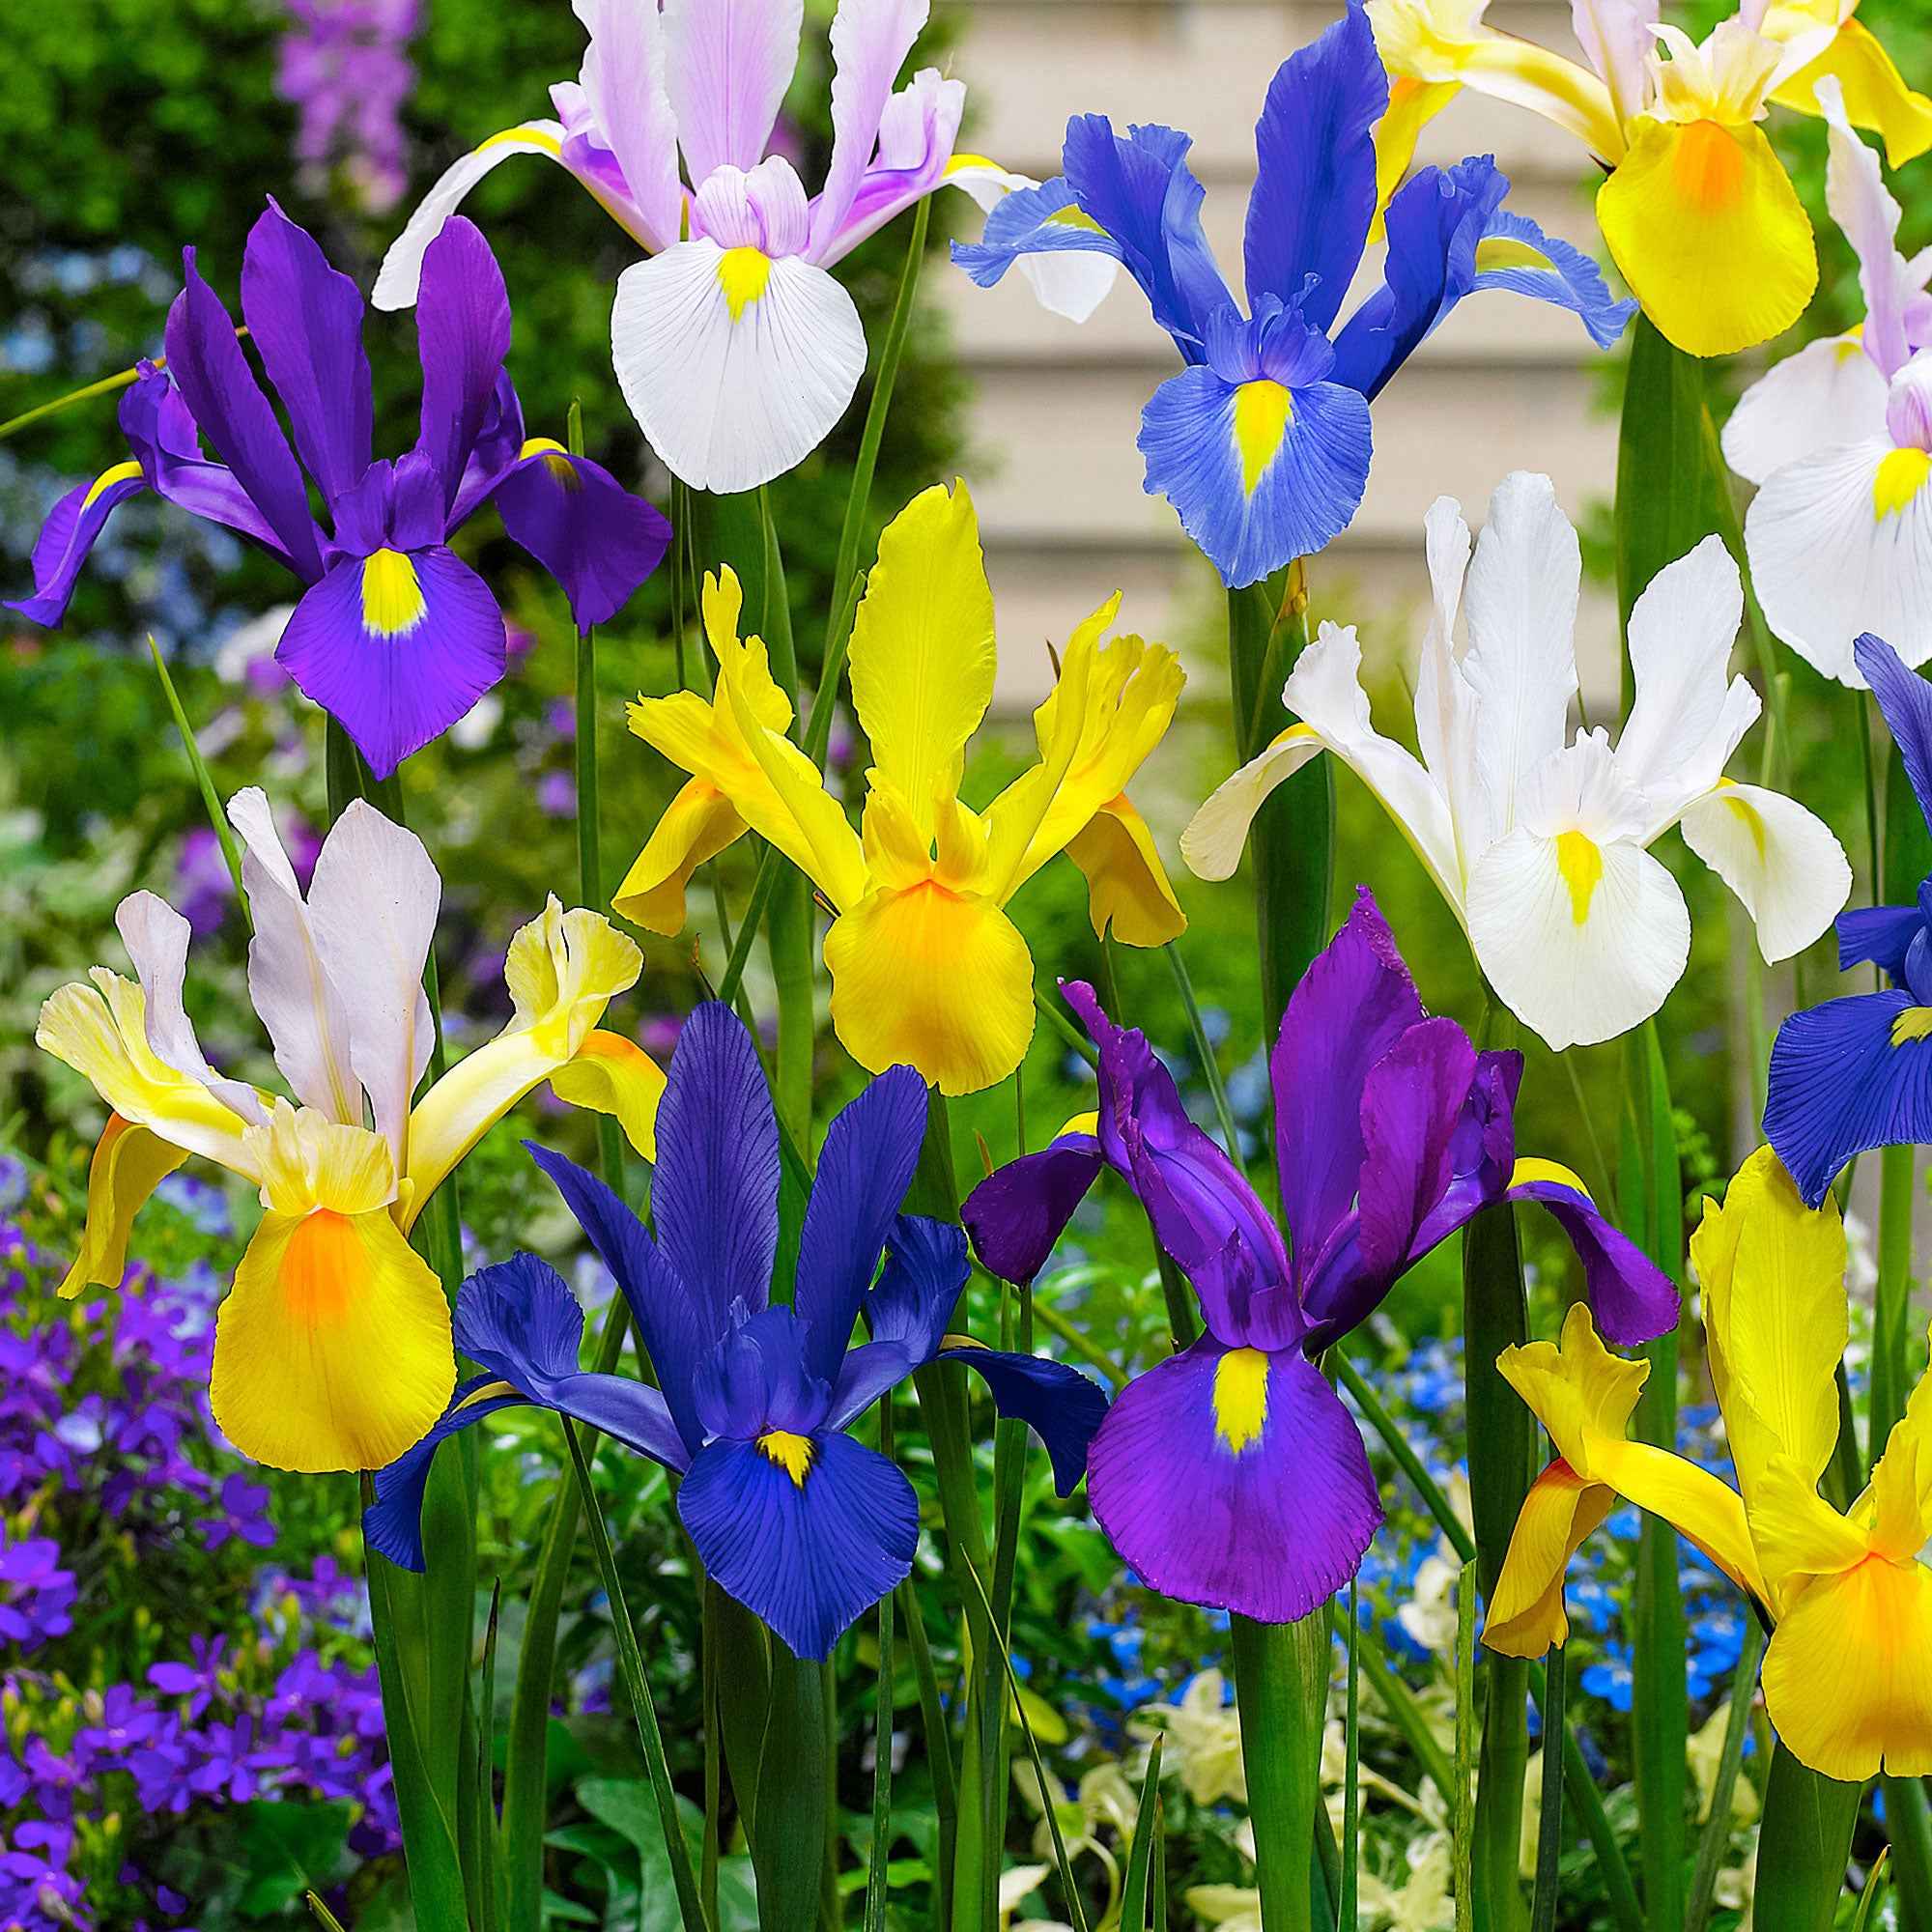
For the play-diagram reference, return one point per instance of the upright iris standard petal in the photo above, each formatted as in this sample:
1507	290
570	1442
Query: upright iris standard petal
306	320
1351	1006
714	1196
1906	702
809	1534
584	526
865	1168
463	334
205	362
676	1333
398	645
1315	193
1235	1478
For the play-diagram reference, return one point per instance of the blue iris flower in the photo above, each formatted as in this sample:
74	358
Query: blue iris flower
1262	443
790	1515
1856	1073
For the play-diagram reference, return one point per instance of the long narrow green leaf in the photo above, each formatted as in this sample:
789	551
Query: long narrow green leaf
526	1764
788	1842
1141	1847
882	1730
1716	1839
1660	1636
203	783
1868	1897
938	1739
1281	1689
1398	1444
486	1770
1352	1774
1580	1787
1049	1789
1462	1810
1549	1826
1204	1051
1406	1714
1804	1845
631	1666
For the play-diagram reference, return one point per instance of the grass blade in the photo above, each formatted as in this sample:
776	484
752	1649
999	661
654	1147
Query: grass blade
1716	1837
1141	1848
204	781
882	1730
631	1663
1549	1826
1351	1775
1461	1803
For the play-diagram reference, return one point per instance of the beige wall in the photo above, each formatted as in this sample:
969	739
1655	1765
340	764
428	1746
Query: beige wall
1505	383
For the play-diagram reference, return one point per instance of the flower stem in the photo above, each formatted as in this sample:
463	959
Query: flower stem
1281	1688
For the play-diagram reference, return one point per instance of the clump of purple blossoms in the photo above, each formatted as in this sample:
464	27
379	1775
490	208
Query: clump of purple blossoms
344	66
122	1736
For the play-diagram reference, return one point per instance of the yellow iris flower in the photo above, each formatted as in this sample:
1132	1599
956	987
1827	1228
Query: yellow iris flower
927	968
1848	1675
1696	210
333	1350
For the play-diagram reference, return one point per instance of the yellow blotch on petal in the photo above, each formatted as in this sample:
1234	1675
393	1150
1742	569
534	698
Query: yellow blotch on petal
1901	475
1504	251
792	1453
611	1074
1848	1677
1526	1614
1240	1398
1914	1023
925	976
333	1350
1580	864
122	473
557	461
1532	1168
1706	228
129	1162
742	274
1127	887
392	598
1263	412
697	824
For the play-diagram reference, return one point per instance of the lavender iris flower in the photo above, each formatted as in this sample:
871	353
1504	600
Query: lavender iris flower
394	635
1231	1474
800	1524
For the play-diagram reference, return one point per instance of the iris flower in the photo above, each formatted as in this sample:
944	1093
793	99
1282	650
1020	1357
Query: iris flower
927	967
394	635
1541	848
800	1524
1231	1474
333	1349
1840	439
735	348
1262	443
1856	1073
1848	1675
1696	210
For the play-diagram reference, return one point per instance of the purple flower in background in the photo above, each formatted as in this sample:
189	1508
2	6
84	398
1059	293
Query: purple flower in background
346	69
394	635
1231	1474
557	794
36	1594
800	1524
203	887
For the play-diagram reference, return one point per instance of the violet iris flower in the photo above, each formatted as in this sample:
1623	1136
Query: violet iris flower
395	635
800	1524
1262	443
1231	1474
1856	1073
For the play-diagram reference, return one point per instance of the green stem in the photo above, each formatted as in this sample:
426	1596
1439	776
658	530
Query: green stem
1464	1826
1892	1308
204	781
106	387
1716	1839
1281	1688
1549	1826
882	1731
1204	1051
1345	1913
631	1663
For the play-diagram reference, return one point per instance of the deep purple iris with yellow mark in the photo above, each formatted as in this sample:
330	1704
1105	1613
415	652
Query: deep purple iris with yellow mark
394	634
790	1515
1231	1474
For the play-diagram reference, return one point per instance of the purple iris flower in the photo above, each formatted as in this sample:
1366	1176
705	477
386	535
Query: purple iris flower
1262	443
800	1524
1231	1474
1856	1073
395	635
